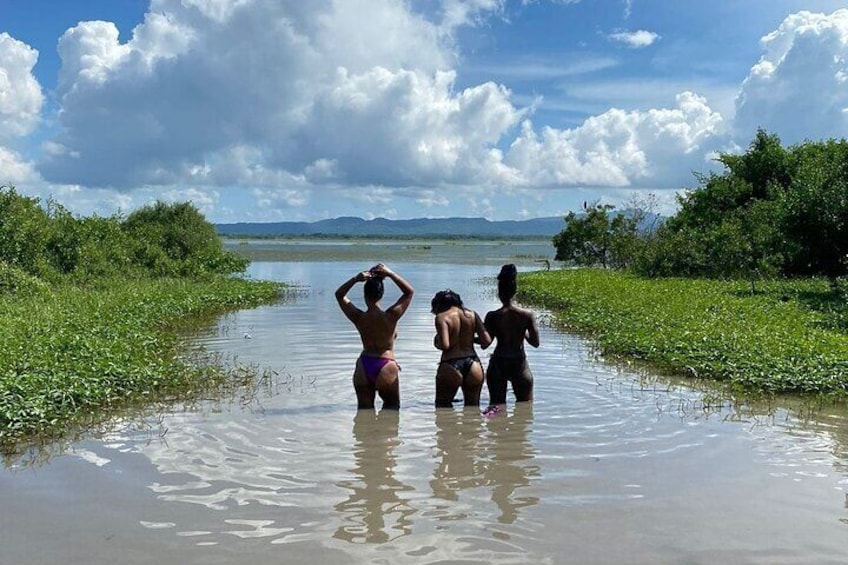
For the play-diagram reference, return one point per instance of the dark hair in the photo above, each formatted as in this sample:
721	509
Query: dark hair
445	299
507	284
374	289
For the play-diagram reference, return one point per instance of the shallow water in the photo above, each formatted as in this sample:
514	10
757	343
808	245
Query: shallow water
606	466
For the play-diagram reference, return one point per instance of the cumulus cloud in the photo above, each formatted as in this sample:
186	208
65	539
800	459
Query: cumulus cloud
21	98
406	127
618	148
21	101
799	87
198	78
280	95
292	103
635	39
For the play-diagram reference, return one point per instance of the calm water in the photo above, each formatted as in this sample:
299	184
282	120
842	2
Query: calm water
604	467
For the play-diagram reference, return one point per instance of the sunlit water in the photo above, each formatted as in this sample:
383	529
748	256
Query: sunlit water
606	466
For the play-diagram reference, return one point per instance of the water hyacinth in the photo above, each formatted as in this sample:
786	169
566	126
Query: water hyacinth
82	350
791	336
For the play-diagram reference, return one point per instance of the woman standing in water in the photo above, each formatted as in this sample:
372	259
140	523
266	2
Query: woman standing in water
510	326
376	369
457	330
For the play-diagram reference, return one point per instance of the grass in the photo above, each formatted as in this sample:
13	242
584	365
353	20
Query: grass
79	354
790	336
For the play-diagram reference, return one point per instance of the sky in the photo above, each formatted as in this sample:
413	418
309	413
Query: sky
285	110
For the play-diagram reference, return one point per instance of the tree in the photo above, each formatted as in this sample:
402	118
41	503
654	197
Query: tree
597	237
772	211
816	209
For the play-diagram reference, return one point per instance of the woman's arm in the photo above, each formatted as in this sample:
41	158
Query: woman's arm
481	336
532	334
349	308
442	340
398	308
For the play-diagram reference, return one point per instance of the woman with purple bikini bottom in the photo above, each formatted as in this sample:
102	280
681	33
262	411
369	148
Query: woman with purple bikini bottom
376	370
373	365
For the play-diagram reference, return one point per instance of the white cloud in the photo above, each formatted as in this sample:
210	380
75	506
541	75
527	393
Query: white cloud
283	97
618	148
406	127
456	13
14	170
798	87
275	198
543	68
20	94
89	52
432	199
635	39
198	79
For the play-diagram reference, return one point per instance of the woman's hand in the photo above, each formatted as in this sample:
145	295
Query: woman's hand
363	276
381	270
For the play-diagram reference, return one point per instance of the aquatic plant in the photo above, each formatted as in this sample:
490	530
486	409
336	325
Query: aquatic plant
789	337
83	352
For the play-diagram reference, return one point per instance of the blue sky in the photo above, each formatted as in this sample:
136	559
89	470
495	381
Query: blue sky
269	110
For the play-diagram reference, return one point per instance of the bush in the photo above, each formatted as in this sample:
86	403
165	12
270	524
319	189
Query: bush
773	211
14	281
160	240
176	240
24	232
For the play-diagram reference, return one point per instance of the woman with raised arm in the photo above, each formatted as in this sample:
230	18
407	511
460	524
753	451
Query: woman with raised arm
511	326
457	330
376	369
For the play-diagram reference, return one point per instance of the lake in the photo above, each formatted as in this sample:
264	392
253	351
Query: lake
607	465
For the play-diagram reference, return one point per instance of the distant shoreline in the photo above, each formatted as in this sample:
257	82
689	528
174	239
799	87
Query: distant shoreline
416	228
384	237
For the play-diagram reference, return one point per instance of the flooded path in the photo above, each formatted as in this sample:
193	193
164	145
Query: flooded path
606	466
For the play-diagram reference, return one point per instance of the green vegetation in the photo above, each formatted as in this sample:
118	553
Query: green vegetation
598	237
772	211
743	284
89	307
789	337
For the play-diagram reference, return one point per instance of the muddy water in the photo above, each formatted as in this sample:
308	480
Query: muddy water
606	466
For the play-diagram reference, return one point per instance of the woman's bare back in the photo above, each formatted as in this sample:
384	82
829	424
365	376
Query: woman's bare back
378	330
511	325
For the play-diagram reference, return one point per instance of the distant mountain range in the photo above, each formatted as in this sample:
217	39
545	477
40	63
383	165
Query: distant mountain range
420	227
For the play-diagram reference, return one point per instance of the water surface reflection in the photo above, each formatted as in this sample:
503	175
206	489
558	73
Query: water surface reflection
511	464
375	511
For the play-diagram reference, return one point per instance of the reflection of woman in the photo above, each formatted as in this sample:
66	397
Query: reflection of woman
457	329
373	513
458	452
376	369
510	325
511	461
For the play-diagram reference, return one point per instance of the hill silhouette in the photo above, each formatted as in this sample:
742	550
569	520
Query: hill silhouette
418	227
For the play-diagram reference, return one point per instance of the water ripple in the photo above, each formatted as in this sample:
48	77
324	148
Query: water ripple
607	465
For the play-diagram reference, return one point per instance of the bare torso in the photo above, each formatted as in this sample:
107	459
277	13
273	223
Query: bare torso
456	328
511	326
378	330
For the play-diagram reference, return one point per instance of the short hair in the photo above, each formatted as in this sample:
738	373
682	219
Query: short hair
507	284
374	289
445	299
